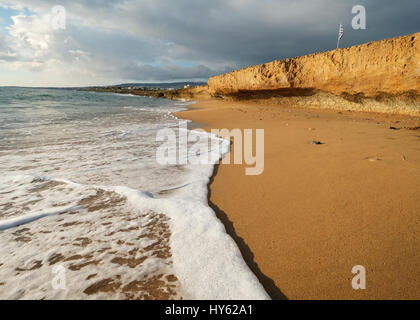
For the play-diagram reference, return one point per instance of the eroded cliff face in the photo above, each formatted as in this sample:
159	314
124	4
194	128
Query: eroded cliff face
379	76
390	66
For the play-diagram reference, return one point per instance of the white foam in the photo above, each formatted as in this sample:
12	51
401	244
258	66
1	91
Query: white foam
206	259
84	242
117	154
30	217
214	268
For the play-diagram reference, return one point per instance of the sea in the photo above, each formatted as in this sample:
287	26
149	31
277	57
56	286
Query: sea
87	211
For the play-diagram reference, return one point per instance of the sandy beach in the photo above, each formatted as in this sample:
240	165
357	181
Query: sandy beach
319	210
222	157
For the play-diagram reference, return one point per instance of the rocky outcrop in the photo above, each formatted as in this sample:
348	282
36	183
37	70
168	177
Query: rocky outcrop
376	76
389	66
193	93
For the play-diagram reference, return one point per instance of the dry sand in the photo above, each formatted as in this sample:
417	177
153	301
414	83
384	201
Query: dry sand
319	210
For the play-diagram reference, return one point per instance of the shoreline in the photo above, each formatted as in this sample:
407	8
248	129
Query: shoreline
269	285
276	267
118	236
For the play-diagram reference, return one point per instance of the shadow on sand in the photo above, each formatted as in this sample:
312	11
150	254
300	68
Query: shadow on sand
268	284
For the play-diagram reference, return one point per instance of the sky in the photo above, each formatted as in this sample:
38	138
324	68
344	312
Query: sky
110	42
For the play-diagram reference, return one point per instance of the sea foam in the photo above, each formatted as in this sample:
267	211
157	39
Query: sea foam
83	182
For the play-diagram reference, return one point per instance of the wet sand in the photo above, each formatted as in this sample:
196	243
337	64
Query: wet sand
319	210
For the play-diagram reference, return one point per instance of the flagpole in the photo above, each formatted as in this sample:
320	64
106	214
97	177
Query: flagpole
338	40
339	36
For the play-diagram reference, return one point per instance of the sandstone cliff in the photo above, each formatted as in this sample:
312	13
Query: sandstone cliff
379	76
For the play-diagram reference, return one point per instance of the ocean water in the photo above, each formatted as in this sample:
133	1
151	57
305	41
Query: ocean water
86	212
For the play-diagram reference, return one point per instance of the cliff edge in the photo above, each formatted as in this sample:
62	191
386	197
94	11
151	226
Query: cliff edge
382	76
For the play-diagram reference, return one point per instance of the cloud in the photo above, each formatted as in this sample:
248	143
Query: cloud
135	40
6	54
168	72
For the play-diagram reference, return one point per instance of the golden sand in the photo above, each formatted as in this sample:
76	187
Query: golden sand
319	210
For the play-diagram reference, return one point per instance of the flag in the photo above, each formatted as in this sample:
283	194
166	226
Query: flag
341	31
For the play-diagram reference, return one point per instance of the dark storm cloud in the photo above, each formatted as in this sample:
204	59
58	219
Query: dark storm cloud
168	73
146	39
249	36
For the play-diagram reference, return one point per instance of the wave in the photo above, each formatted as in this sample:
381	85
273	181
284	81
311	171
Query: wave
91	187
214	268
